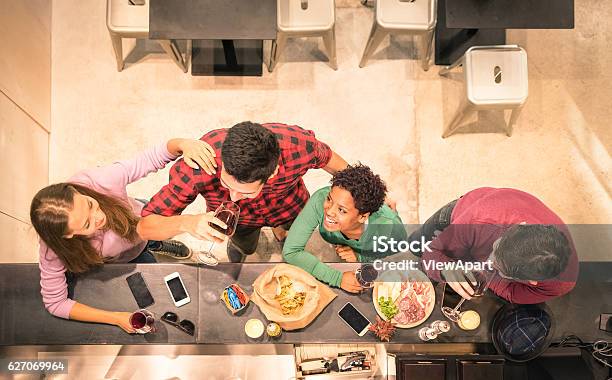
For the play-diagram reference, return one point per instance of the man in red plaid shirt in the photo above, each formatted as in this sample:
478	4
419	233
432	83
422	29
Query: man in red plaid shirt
261	169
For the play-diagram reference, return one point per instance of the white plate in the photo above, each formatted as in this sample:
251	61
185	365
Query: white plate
392	289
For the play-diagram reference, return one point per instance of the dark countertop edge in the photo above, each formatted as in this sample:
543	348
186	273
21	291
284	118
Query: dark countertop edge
242	343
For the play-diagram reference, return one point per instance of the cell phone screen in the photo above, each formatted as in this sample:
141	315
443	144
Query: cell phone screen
177	289
139	290
354	318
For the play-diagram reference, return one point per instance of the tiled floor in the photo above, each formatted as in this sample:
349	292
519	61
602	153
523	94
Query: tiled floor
389	114
100	115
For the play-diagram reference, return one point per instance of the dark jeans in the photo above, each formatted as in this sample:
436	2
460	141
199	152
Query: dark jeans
245	240
146	257
434	225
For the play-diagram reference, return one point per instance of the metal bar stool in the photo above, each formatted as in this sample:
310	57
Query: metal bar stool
305	18
125	20
414	17
495	78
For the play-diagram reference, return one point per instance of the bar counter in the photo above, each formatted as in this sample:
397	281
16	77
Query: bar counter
24	320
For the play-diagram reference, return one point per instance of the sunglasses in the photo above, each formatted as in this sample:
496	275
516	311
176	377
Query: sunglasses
184	325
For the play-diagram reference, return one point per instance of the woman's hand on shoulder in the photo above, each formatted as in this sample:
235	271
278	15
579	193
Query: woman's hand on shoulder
197	154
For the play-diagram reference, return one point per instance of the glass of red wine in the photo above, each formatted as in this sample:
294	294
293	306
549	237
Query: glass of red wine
479	280
142	321
366	274
228	212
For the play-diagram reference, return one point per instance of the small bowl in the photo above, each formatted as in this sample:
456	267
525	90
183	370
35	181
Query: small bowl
254	328
240	293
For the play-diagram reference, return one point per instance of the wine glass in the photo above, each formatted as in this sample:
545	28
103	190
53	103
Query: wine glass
479	280
227	212
142	321
366	274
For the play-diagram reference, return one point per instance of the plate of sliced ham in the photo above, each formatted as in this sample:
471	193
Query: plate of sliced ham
412	299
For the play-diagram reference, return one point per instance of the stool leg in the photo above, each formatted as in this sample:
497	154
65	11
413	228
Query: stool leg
464	110
428	43
447	69
377	34
188	52
118	48
171	48
329	40
277	47
513	117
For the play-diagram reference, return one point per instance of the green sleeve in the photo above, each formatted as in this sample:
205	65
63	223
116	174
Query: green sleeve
387	223
302	228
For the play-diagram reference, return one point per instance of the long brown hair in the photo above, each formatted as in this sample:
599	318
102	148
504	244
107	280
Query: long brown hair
49	216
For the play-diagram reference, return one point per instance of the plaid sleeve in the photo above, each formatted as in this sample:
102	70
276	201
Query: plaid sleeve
310	151
180	191
320	155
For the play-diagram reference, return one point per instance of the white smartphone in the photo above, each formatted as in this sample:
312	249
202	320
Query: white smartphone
352	317
177	289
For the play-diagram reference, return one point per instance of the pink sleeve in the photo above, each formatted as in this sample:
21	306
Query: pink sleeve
115	177
53	287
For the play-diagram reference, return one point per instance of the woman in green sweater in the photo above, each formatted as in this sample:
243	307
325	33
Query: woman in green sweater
349	214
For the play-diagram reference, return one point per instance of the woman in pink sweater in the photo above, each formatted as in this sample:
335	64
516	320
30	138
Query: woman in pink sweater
91	220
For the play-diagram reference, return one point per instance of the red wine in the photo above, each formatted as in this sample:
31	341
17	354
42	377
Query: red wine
229	218
368	273
138	320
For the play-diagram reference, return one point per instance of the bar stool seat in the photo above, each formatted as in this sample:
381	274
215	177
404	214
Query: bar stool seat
318	16
125	20
316	20
496	78
406	15
416	17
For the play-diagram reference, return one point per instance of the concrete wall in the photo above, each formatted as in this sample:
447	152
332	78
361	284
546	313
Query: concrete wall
25	120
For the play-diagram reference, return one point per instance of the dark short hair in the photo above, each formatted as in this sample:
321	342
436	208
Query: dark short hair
366	188
250	152
533	252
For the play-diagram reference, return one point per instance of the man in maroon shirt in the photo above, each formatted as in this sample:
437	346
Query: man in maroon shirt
261	169
530	248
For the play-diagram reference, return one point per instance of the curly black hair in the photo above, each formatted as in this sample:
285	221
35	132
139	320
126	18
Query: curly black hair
366	188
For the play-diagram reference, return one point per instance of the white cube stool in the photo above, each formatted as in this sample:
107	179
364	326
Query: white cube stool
495	78
125	20
305	18
414	17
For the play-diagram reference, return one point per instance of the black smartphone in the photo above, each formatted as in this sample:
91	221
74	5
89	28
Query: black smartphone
357	321
140	291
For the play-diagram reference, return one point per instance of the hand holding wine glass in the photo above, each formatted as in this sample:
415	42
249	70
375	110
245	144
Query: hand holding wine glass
459	284
223	224
228	213
467	285
199	226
